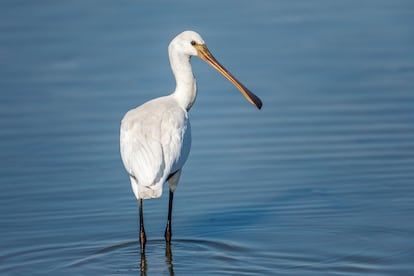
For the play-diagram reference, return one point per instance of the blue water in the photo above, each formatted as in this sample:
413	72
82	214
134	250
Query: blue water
319	182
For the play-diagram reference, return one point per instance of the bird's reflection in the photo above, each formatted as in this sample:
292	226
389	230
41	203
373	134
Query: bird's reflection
168	260
168	256
143	265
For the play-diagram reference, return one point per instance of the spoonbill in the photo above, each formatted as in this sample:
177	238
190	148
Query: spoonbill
155	138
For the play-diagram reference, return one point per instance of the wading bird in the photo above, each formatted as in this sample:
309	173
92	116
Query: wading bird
155	137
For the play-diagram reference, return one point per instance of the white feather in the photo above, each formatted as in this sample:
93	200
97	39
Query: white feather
155	142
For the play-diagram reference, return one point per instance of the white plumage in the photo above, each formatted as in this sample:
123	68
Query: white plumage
155	137
155	142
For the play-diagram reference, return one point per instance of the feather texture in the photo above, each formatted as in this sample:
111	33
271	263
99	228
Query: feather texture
155	142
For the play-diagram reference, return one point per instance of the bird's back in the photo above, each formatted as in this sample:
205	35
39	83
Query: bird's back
155	142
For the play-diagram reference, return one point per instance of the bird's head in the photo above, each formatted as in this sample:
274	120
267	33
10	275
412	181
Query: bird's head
190	43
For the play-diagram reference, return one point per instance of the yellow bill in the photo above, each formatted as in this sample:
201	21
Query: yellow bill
205	55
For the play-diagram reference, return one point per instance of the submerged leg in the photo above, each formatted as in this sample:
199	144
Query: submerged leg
168	255
172	181
142	237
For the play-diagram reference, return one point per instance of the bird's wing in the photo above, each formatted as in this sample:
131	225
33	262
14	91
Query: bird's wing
151	141
141	151
176	138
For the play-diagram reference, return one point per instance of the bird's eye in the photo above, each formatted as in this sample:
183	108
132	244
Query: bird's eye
193	42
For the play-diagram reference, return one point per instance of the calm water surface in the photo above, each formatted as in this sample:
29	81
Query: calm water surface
320	181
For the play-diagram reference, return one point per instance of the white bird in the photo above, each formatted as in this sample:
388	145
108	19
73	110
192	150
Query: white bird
155	137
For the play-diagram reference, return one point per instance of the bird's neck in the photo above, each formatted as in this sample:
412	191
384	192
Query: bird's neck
186	87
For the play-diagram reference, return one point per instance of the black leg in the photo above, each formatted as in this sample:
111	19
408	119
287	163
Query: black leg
172	181
167	234
142	237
